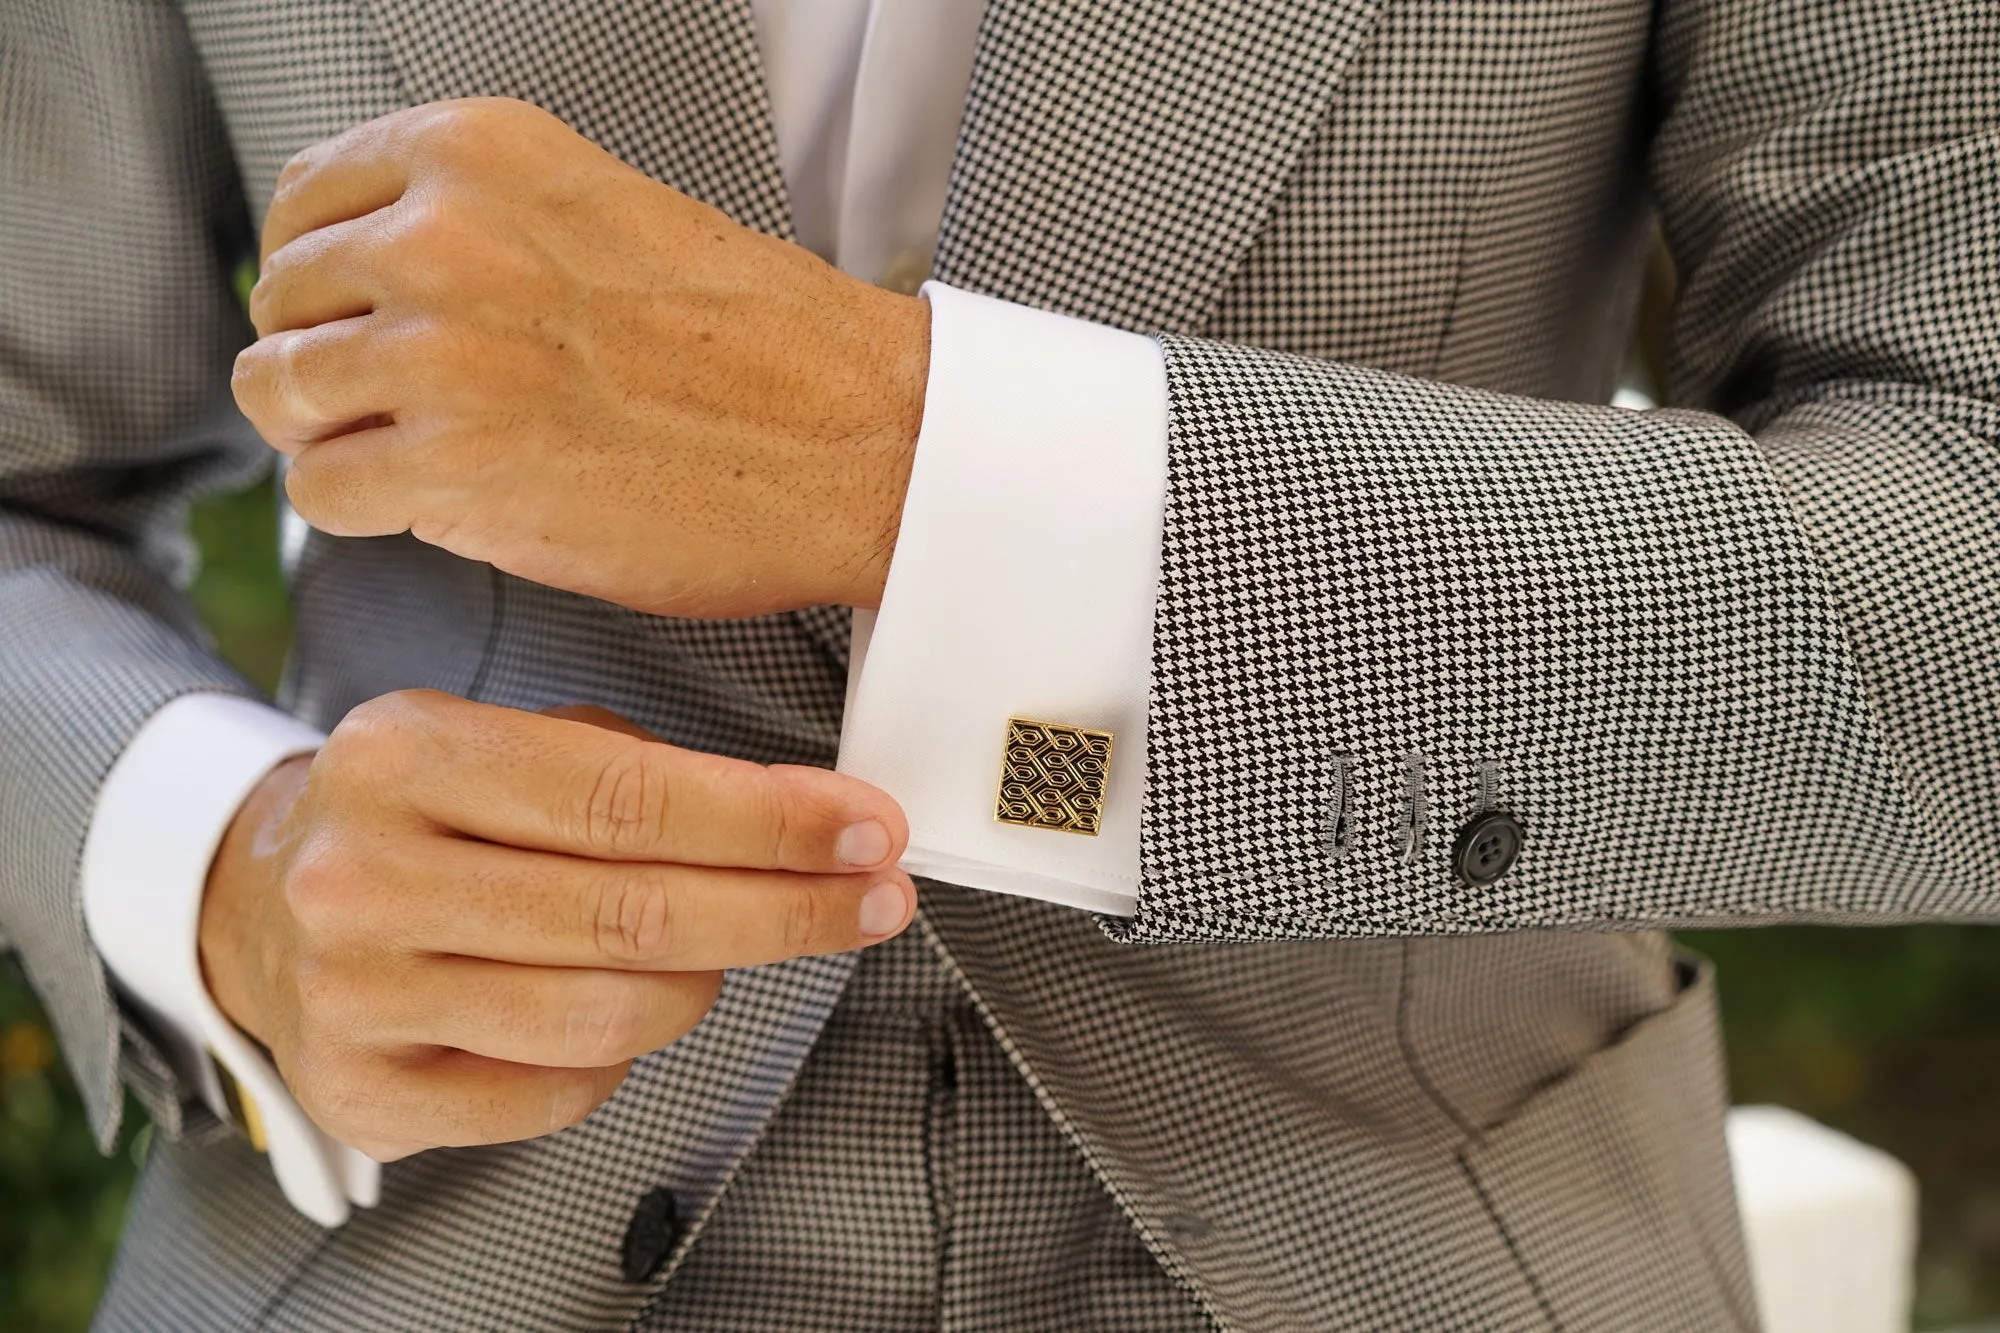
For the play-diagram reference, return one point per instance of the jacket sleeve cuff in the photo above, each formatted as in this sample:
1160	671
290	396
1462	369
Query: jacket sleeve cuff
1022	586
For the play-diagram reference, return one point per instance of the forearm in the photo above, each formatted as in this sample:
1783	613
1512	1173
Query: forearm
1725	669
1611	625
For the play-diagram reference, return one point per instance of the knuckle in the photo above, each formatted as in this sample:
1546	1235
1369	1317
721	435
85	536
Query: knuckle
349	1104
625	809
470	124
272	380
319	994
285	268
428	347
305	488
428	225
573	1098
337	1095
437	529
419	709
433	244
318	892
334	1006
632	917
249	379
365	724
782	820
386	725
359	738
447	127
601	1027
297	170
380	746
264	294
801	817
437	358
308	1080
292	369
807	922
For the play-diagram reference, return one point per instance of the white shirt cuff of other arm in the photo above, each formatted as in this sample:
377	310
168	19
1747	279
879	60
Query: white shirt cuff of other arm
160	816
1022	586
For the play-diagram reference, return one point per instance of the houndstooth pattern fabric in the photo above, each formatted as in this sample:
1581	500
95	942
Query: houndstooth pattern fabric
1728	662
938	1192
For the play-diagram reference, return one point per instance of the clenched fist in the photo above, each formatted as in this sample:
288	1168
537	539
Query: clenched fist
458	924
478	327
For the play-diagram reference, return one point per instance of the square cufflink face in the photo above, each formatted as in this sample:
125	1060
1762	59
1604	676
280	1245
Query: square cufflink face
1053	777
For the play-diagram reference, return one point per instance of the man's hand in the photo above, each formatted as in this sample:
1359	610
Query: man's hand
458	924
478	327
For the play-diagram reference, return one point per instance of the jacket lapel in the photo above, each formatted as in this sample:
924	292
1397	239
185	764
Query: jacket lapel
1117	157
674	87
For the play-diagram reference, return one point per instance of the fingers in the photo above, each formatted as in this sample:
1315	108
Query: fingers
328	274
345	177
357	484
376	163
450	990
392	1104
557	911
304	385
559	1017
560	786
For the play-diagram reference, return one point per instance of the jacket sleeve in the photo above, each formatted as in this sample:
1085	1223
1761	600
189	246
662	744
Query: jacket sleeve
1724	666
120	220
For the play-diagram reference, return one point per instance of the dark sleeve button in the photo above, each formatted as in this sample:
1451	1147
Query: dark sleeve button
1487	848
654	1231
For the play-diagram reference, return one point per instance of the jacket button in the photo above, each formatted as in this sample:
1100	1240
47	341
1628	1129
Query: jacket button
1487	848
655	1229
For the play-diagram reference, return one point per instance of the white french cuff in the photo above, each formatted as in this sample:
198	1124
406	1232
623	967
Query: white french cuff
160	817
1022	586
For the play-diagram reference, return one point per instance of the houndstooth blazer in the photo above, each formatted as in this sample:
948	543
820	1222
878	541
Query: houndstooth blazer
1728	663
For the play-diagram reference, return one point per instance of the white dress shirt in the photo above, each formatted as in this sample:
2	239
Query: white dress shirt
1040	434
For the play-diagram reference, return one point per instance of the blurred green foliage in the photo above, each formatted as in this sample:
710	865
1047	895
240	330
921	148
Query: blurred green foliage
237	586
1891	1035
60	1203
1894	1037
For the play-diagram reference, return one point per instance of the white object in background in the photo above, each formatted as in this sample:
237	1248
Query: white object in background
1831	1225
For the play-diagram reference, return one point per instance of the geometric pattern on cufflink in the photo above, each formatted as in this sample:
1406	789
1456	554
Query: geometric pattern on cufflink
1053	777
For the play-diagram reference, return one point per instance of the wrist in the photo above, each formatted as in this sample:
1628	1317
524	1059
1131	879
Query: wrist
901	343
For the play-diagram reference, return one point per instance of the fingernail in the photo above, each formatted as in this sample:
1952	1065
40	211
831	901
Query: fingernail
882	909
863	844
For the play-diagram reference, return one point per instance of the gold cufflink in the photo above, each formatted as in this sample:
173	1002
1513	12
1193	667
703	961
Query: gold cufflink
243	1113
1053	777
